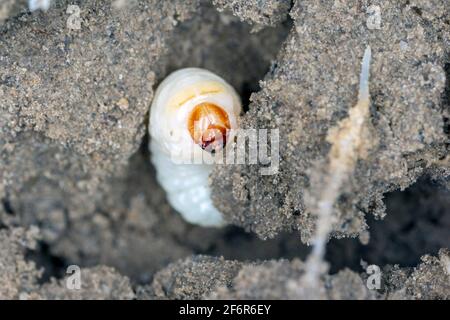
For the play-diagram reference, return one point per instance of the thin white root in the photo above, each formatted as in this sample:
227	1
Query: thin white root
364	77
38	5
347	146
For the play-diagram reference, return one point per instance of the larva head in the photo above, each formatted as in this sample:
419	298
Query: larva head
209	126
194	111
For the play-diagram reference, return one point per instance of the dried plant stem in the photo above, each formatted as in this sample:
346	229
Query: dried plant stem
347	145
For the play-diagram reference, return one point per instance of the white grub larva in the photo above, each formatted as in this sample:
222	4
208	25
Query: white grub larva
191	115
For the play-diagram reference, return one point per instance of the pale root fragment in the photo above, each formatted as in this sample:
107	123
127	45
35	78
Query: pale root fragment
348	144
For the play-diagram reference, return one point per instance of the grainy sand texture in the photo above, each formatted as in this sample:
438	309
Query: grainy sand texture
77	186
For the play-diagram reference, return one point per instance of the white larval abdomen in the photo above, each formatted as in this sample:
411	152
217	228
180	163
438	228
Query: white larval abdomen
187	188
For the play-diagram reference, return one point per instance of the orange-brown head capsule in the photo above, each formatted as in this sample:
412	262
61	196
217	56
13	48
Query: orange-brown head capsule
208	126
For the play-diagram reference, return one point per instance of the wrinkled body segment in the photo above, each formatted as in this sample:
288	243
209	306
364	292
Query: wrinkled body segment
190	119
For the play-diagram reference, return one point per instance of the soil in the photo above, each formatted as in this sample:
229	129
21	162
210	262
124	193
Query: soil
77	186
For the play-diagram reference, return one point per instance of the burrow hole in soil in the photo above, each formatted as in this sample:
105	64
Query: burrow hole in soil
417	222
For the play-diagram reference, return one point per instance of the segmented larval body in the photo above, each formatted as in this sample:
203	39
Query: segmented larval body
193	115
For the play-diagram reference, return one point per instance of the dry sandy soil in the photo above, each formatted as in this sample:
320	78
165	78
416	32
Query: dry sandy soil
77	186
